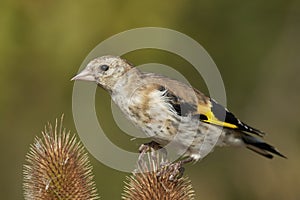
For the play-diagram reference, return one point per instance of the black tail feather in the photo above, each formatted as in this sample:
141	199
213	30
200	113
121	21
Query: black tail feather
260	147
260	151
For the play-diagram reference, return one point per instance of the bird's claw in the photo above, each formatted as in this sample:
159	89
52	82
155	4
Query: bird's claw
176	170
151	146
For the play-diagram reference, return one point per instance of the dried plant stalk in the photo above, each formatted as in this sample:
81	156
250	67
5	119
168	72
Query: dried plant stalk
150	181
58	168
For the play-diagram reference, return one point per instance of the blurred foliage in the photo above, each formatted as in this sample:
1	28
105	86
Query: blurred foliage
255	44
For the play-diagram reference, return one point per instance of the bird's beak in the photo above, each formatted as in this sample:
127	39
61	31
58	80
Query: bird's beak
84	75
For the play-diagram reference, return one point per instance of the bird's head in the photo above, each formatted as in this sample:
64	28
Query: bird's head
104	70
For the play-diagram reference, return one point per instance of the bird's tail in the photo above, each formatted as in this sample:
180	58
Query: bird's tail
259	146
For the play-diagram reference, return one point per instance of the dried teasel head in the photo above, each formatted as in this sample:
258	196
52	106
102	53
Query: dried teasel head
58	168
150	181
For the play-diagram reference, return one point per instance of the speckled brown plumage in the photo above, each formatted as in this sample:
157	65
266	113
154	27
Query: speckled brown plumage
168	110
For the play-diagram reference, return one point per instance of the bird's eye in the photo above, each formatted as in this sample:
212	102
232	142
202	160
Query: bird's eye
104	67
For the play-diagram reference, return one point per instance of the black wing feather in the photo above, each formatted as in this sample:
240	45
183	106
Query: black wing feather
223	114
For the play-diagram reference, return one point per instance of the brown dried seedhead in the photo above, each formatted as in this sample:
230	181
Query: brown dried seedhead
58	168
150	181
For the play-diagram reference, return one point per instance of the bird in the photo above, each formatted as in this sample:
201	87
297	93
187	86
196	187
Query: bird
168	110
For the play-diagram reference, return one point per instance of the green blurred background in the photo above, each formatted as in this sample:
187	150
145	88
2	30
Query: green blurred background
255	44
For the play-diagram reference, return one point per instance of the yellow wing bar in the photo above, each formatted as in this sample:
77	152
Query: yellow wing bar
206	110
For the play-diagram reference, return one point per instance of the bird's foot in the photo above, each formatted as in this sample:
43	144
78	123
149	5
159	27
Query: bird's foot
151	147
175	170
147	146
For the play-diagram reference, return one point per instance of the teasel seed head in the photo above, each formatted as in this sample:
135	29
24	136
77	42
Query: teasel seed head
150	181
58	168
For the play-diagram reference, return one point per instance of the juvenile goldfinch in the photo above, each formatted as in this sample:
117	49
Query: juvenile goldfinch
168	110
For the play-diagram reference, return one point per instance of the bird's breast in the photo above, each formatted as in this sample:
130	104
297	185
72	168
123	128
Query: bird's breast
149	110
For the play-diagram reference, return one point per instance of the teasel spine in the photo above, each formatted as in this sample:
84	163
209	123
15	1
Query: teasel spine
151	181
57	167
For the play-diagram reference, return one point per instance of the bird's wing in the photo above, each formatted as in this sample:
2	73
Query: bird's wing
186	100
214	113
